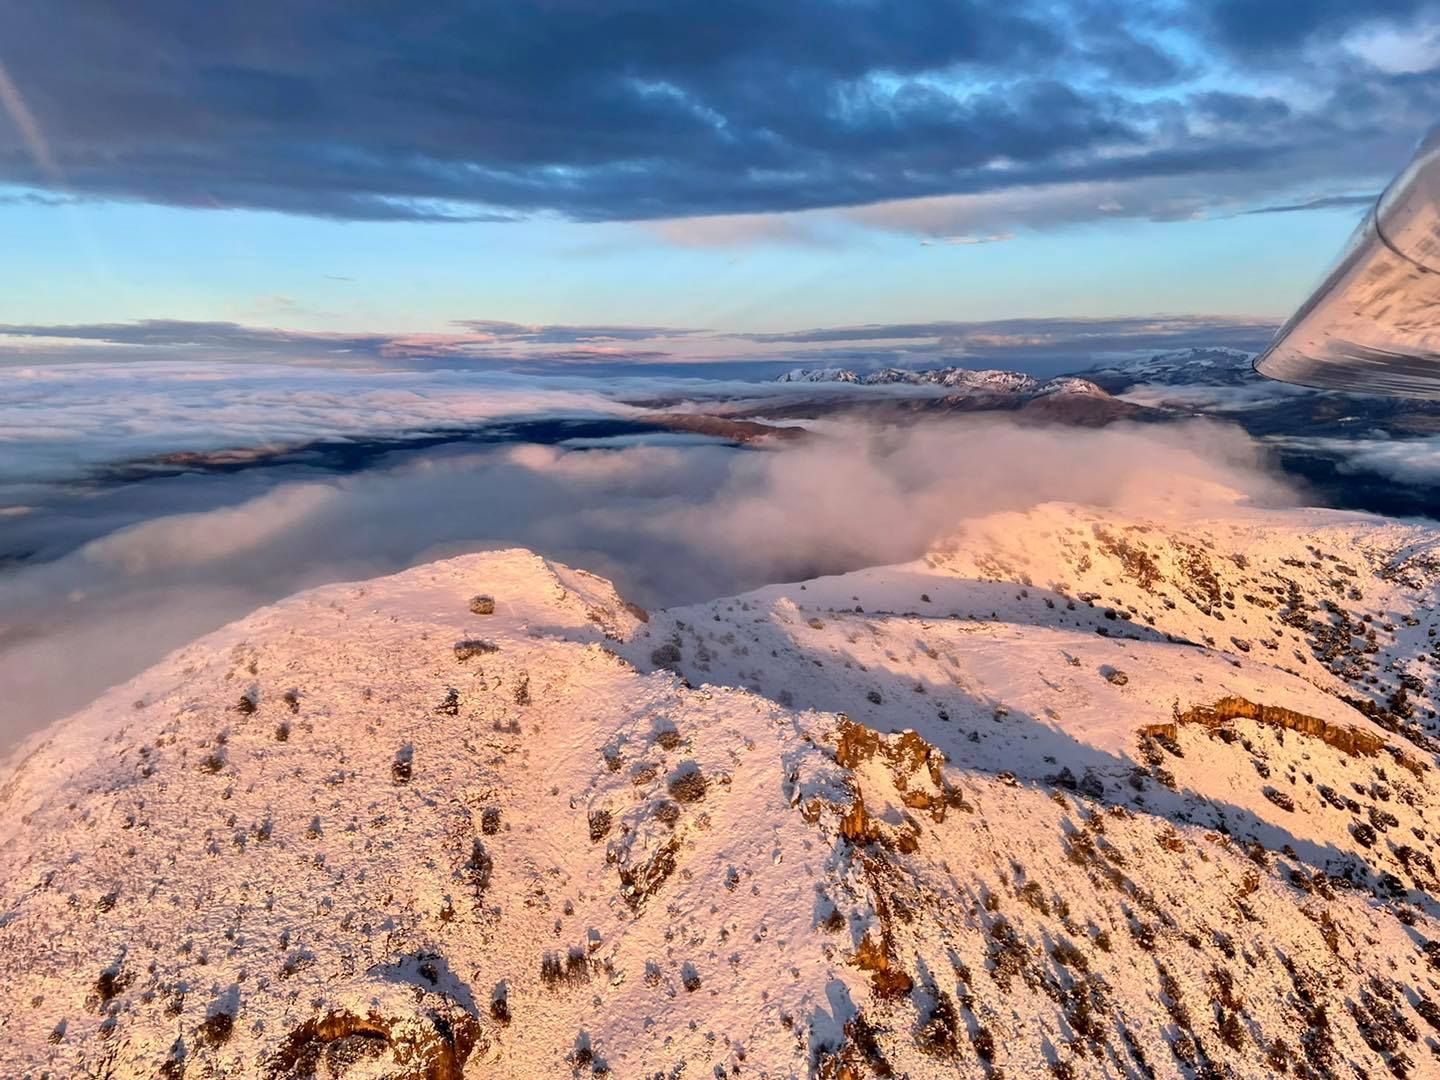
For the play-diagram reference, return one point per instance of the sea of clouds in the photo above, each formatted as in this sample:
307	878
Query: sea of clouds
670	520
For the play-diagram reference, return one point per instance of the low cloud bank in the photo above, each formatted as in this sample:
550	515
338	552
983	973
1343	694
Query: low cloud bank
1403	460
669	523
61	421
58	420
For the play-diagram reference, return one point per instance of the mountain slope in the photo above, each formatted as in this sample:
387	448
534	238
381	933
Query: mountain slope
1205	366
1002	810
1066	400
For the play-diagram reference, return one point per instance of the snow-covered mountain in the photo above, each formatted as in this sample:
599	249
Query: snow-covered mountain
1210	366
1206	366
1069	384
1075	794
1065	400
1001	382
819	375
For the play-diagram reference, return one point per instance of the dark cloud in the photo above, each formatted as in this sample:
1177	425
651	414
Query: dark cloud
1242	109
1284	29
647	109
1327	202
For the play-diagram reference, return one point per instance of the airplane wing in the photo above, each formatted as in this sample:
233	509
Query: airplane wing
1373	324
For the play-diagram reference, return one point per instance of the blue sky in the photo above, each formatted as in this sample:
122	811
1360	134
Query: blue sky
106	261
727	167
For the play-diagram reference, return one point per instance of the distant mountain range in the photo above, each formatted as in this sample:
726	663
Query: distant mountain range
1067	399
1320	437
953	377
1221	366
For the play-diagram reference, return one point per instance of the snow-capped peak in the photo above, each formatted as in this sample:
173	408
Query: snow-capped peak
990	380
1204	365
1069	384
818	375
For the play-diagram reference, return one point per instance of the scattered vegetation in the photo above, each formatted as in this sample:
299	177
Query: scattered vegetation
470	648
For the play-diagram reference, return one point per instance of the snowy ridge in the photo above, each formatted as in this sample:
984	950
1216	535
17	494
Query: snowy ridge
814	375
1072	795
1069	384
953	378
1206	366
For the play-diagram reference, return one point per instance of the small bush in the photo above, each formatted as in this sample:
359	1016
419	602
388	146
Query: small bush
473	647
1034	896
111	983
666	655
1280	799
939	1034
217	1028
490	820
403	766
984	1043
599	825
688	785
1232	1031
572	969
479	866
482	605
1069	955
500	1004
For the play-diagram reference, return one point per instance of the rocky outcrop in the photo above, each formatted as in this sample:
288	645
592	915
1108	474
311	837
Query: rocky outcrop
432	1041
1357	742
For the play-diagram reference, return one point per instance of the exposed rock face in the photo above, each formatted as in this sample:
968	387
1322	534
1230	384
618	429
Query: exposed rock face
720	427
429	1039
1355	741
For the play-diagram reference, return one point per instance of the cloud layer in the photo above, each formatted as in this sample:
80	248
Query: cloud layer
1040	345
668	523
59	420
652	109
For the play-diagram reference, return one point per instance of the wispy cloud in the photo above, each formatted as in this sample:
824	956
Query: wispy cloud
1324	202
966	241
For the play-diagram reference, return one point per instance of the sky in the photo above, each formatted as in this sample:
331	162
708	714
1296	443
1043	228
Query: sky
659	182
